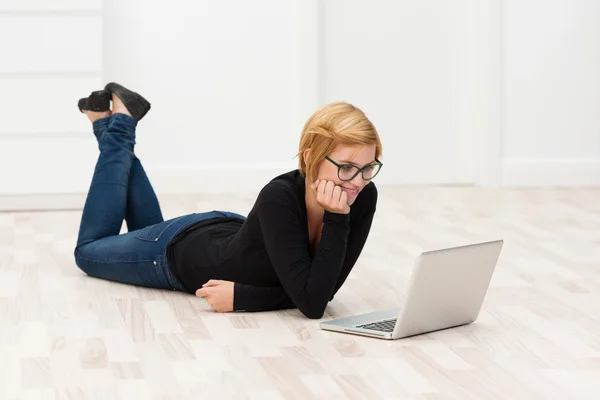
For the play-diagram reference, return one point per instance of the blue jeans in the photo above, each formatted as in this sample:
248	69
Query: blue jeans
120	190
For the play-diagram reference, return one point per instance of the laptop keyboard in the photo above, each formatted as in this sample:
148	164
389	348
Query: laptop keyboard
382	326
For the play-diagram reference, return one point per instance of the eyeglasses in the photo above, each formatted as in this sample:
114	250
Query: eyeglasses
347	172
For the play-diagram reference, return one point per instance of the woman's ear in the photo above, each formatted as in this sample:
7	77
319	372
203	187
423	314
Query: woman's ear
306	156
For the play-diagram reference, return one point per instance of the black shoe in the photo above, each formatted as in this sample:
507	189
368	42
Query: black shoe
97	101
135	103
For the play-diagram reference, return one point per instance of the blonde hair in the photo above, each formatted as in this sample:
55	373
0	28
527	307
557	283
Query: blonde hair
333	124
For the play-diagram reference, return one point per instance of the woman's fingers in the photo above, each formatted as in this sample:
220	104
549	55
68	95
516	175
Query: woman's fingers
344	202
322	188
337	194
332	198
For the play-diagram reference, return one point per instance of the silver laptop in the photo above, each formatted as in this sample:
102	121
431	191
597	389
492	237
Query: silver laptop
446	289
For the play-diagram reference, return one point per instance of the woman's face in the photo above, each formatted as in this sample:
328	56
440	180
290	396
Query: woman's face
360	156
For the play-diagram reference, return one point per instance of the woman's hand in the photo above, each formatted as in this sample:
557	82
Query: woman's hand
331	196
219	294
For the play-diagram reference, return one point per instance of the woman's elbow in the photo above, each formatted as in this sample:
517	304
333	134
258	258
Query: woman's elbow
313	312
314	315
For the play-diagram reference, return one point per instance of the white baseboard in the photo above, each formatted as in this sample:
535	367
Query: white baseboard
42	202
551	173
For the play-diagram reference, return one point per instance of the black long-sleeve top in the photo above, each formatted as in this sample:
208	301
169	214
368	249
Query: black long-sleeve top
268	254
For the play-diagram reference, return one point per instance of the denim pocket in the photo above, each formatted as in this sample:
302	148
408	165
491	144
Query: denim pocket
153	233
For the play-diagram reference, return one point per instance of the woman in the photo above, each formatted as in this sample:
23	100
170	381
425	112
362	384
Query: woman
295	248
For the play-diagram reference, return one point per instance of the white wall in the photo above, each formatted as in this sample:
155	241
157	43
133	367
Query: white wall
227	85
451	86
472	91
233	83
407	65
551	92
51	55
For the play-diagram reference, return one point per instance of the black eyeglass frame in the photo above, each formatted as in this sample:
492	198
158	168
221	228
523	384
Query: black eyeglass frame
359	170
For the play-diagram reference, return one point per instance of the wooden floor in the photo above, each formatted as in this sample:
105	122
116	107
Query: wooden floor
67	336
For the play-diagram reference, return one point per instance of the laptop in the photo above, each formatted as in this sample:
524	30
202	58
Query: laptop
446	289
